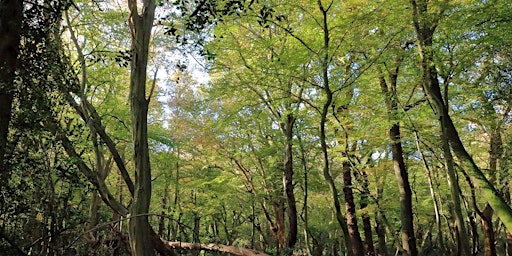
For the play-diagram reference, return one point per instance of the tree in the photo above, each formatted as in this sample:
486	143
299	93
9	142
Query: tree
11	13
141	25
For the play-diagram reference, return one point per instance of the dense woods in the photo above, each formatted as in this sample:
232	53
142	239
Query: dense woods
212	127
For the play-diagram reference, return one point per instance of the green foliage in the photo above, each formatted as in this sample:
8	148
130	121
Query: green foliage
218	149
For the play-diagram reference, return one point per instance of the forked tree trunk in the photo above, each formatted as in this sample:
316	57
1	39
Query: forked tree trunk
139	229
11	13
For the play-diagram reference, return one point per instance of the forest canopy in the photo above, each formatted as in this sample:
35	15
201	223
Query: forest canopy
255	127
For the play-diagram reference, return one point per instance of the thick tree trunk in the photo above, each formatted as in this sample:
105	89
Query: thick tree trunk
279	230
291	210
139	228
402	176
11	13
350	211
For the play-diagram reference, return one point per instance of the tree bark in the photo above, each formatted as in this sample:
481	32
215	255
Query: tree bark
11	13
350	211
139	227
489	240
402	176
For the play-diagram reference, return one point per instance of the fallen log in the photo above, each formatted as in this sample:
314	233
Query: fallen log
233	250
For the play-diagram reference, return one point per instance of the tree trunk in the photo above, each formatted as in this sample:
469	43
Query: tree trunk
453	182
161	221
291	210
489	241
305	217
401	174
279	229
367	226
380	229
350	211
11	13
139	228
93	216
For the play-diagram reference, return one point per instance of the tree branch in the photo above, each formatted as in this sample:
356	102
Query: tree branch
233	250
